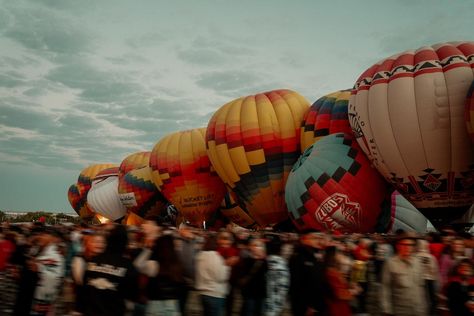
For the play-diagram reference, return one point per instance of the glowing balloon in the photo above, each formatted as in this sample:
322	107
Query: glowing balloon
407	114
139	194
103	196
469	112
332	186
182	172
134	161
84	183
328	115
252	143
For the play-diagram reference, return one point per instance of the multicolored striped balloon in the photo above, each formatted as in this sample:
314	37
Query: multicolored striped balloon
333	187
469	112
134	161
74	197
182	172
407	113
252	143
103	197
328	115
84	183
140	195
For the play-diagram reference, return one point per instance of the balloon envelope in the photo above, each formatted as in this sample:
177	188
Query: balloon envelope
407	114
252	143
406	217
139	194
182	172
84	183
332	186
469	112
328	115
103	196
134	161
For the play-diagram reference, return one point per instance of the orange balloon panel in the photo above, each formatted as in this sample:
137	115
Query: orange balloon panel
134	161
182	172
252	143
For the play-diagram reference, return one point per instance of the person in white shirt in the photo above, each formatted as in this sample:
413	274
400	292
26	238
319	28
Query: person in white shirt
212	275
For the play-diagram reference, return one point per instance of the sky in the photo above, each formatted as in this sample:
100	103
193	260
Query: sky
89	81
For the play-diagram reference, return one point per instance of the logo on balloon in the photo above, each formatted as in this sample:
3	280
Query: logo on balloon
338	212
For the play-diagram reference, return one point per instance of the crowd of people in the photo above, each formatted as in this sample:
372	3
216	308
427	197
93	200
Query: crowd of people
113	269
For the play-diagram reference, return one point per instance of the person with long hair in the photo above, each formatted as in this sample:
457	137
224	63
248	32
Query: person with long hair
460	289
110	278
162	265
339	292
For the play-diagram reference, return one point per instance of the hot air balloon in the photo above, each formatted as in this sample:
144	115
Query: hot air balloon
469	112
84	183
407	114
139	194
74	198
134	161
332	186
232	209
406	217
103	196
252	143
182	172
328	115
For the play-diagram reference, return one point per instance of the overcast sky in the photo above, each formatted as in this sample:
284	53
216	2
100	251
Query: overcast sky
92	81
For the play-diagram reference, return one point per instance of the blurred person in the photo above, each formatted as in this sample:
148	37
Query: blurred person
251	272
231	253
212	275
306	276
362	256
42	274
453	253
161	263
430	270
109	278
8	286
187	251
460	289
93	244
403	286
339	293
277	277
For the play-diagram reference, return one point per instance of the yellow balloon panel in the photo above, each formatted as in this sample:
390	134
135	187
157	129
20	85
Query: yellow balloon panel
184	175
253	142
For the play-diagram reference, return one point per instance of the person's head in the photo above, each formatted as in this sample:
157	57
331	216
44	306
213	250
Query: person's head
458	246
311	239
257	248
94	244
405	245
211	243
464	269
150	229
117	240
225	239
273	244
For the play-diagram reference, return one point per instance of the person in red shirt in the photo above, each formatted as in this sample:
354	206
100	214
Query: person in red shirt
7	247
231	254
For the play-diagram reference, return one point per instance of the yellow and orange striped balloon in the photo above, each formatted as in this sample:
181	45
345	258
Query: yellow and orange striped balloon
84	183
182	172
252	143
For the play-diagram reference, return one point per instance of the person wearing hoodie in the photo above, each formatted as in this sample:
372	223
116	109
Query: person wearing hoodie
278	277
430	270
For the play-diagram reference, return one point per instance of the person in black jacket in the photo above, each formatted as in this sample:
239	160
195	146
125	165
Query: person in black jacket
110	278
307	277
